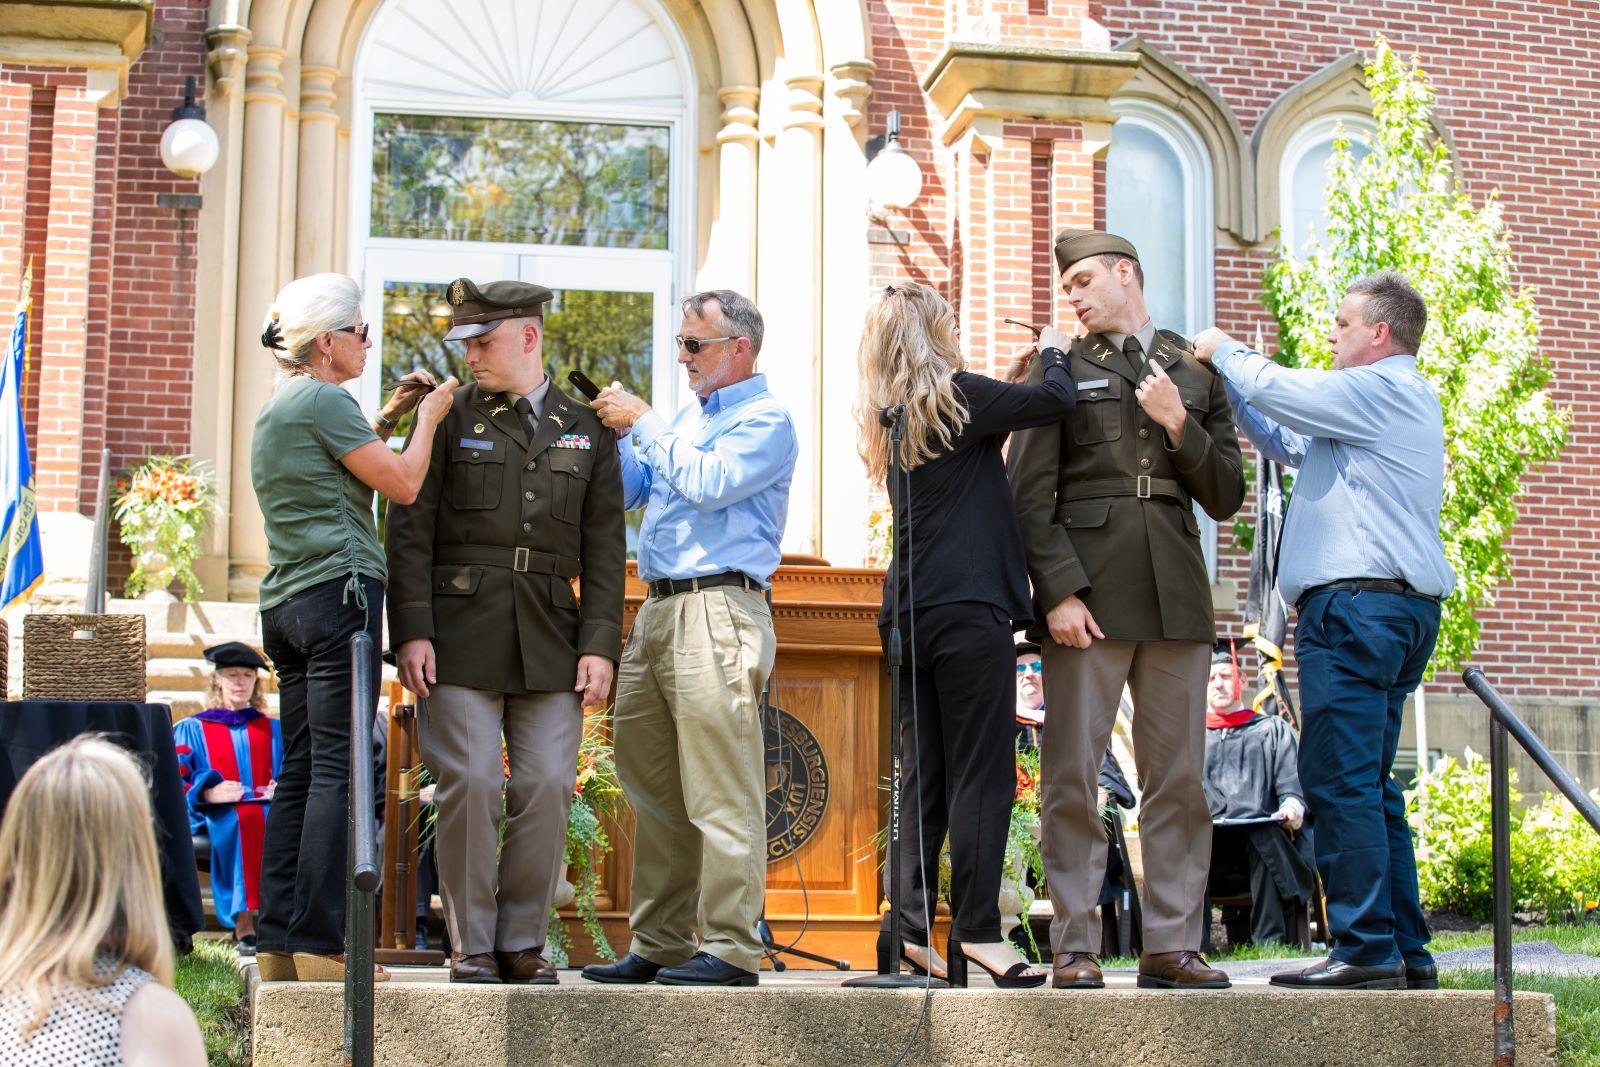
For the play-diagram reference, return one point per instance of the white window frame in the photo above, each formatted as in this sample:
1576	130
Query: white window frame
669	273
1199	237
1314	134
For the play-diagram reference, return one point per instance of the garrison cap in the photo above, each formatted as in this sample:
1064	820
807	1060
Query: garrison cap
235	654
479	310
1075	245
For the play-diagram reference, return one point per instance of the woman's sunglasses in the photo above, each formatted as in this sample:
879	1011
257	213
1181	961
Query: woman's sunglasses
692	345
359	331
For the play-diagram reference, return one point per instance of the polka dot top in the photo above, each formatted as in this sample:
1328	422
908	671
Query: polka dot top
84	1028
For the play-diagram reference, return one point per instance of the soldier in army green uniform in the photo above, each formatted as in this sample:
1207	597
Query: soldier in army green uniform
1114	552
523	495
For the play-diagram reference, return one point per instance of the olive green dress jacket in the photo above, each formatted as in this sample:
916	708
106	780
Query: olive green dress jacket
1105	505
483	562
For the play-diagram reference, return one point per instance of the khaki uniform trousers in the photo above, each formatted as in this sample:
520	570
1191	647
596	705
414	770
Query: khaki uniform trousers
501	905
1082	688
690	756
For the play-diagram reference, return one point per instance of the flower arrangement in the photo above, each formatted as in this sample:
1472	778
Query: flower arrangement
596	800
880	536
162	510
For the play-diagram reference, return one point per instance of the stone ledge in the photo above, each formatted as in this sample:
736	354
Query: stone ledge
813	1023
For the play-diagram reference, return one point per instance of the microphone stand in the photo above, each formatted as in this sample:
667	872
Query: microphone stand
889	975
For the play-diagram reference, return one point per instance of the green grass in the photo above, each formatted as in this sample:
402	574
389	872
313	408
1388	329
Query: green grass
1582	938
1577	1009
208	979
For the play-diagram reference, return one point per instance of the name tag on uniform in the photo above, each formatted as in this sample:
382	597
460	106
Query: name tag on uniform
1098	383
573	440
469	442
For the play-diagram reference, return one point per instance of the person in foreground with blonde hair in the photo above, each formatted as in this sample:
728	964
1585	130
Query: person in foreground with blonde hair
963	571
315	462
85	955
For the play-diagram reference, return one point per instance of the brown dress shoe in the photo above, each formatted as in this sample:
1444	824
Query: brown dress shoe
526	966
477	967
1077	970
1178	970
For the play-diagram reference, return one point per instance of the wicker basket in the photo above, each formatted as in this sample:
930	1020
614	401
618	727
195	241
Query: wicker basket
83	657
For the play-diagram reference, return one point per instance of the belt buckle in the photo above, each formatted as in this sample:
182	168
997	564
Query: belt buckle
519	560
1143	487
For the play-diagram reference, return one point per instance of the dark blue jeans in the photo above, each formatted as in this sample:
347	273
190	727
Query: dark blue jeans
304	856
1359	655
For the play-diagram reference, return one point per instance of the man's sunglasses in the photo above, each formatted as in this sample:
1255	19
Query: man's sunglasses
692	345
1035	667
359	331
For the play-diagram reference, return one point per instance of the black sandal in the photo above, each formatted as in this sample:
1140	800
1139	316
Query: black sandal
1016	976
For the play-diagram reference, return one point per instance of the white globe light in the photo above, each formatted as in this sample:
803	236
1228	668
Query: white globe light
894	180
189	147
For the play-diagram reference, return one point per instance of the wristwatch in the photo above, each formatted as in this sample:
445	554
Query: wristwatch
387	424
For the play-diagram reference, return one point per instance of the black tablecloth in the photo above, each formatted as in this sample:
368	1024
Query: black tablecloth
30	728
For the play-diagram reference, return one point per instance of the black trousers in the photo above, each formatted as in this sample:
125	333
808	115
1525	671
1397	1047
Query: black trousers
960	759
1235	866
304	857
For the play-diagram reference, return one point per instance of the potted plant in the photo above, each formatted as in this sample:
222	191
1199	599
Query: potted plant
162	510
596	800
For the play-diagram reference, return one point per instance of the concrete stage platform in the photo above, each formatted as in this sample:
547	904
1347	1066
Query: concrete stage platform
804	1018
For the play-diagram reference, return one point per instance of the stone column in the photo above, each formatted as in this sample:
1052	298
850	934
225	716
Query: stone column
260	232
731	258
847	498
317	194
789	292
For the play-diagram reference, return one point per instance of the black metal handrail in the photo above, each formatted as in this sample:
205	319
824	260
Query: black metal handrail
363	877
1503	721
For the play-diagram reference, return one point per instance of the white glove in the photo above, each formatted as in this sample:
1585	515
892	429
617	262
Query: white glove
1292	812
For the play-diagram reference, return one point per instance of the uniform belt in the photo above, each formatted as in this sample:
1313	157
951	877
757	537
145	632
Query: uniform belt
1371	585
674	586
1144	487
517	559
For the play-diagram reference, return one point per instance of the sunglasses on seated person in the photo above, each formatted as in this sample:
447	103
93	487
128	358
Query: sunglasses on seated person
692	345
1035	666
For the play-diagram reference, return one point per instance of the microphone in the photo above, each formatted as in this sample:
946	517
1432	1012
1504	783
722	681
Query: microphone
891	415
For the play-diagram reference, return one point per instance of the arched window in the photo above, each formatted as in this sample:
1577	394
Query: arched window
1158	195
1303	174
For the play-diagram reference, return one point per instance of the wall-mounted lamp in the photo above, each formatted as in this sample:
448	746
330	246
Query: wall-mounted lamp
189	146
894	181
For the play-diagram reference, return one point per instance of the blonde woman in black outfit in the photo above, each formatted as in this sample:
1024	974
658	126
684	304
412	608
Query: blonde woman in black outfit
966	577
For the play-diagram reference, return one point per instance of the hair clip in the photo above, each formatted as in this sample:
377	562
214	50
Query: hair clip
888	290
272	336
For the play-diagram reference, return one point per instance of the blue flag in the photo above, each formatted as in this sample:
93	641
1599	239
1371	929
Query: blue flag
21	557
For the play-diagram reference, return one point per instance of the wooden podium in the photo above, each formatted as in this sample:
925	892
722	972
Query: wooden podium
823	871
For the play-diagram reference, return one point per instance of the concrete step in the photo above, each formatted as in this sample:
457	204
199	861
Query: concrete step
809	1019
165	645
184	674
205	616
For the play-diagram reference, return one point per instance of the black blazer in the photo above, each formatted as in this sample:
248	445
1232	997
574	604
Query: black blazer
966	543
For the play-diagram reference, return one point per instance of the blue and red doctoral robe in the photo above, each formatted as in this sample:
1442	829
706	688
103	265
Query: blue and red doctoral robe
216	746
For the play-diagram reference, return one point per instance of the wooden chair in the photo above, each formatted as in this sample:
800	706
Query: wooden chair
401	829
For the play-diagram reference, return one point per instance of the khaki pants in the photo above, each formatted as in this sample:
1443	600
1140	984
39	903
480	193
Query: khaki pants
690	756
500	905
1082	688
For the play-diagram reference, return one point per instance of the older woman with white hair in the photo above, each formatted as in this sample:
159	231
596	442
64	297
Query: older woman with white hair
315	462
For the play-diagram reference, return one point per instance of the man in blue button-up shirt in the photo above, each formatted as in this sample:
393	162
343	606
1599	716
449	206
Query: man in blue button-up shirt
715	486
1362	558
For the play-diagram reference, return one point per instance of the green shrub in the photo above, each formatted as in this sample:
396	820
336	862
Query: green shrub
1555	854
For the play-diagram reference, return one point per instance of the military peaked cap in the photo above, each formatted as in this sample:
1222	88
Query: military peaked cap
479	310
1073	246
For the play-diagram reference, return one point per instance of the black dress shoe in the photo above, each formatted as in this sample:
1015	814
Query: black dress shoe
632	969
1333	974
706	969
1424	977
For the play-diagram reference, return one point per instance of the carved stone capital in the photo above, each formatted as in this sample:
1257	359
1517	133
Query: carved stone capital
226	56
805	102
739	114
263	75
317	94
851	85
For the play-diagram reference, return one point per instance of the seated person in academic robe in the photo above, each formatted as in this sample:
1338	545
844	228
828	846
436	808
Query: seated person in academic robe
1030	694
1257	809
229	756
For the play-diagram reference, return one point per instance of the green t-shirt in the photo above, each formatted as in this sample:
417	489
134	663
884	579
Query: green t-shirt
318	515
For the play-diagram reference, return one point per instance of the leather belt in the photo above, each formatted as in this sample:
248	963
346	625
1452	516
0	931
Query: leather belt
1144	487
1371	585
516	559
674	586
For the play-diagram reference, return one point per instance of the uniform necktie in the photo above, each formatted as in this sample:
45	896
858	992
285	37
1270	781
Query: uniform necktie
524	408
1134	351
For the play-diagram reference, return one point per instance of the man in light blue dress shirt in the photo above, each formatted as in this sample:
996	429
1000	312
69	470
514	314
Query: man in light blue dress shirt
1362	559
715	486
